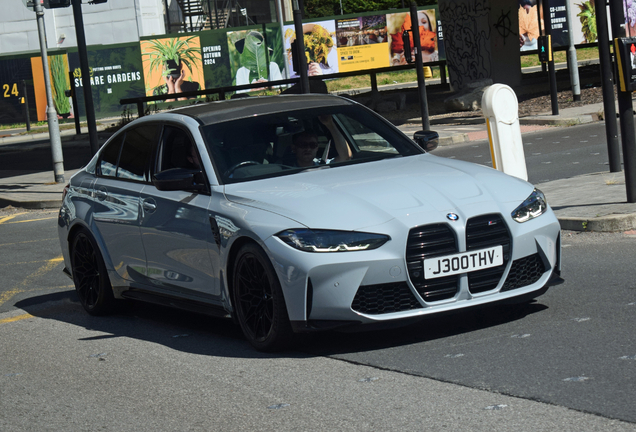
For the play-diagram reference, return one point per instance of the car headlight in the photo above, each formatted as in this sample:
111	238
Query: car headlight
331	241
534	206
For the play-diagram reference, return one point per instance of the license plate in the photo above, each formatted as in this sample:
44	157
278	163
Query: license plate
463	262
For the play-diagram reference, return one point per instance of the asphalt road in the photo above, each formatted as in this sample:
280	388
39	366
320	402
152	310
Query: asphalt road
551	153
566	361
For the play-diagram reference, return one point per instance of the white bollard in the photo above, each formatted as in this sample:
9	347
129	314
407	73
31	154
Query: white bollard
501	109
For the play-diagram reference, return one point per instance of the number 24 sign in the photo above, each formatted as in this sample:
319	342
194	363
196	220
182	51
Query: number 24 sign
9	90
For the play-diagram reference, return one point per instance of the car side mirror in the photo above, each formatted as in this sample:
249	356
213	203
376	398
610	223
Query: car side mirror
175	179
428	140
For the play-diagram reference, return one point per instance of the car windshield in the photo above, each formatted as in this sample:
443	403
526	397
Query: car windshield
286	143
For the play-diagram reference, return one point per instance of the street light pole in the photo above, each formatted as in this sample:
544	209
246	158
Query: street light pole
51	114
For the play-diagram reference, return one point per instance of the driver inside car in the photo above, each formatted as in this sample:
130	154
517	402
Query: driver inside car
305	145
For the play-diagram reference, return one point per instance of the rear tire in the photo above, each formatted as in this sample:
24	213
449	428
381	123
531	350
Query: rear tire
90	276
259	302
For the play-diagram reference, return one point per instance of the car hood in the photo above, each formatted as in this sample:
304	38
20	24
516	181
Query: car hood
422	188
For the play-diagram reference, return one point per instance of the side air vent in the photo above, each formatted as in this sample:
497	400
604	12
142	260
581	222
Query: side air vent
524	272
384	298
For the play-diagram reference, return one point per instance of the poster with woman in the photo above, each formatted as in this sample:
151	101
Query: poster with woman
252	60
397	23
320	48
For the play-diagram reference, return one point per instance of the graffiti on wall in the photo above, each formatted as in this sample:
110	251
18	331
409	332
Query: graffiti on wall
467	41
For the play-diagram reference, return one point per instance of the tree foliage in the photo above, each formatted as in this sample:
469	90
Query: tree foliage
323	8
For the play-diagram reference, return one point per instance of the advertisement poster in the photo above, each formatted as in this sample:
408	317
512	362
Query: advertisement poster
320	48
12	72
216	59
362	43
558	21
397	23
172	65
115	74
529	29
252	60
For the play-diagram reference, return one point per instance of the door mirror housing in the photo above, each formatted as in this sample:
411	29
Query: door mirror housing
175	179
428	140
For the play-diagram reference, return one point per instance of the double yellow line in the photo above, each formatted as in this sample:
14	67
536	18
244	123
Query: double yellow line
48	266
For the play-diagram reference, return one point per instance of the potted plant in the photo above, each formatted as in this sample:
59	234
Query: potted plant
170	56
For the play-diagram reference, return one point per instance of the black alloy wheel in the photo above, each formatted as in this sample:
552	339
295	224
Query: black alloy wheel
259	303
90	276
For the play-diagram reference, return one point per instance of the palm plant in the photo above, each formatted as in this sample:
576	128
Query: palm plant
171	55
587	15
60	79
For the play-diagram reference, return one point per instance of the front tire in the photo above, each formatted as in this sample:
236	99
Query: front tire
259	302
90	276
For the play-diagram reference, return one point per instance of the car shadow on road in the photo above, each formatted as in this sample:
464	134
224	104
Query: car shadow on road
427	329
176	329
210	336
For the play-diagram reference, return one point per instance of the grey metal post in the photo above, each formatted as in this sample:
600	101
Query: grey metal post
419	66
573	64
51	114
607	86
86	77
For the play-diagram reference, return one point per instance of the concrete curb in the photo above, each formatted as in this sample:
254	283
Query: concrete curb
32	205
610	223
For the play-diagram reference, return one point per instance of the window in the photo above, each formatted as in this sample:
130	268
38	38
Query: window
110	157
136	151
177	150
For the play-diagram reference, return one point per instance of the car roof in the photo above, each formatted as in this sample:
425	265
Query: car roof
233	109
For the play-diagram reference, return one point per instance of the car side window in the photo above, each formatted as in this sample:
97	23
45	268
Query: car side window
177	150
136	151
110	157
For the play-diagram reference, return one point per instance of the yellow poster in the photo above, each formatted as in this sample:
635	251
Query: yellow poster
354	58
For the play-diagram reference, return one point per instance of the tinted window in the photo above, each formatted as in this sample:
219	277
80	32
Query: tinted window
110	157
177	150
136	151
285	143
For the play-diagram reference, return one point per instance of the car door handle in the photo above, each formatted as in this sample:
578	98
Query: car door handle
101	195
149	206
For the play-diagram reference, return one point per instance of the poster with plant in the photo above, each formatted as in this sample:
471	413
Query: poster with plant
587	16
319	39
252	58
60	82
172	65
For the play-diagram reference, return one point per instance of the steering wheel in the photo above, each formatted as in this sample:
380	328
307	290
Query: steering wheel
239	165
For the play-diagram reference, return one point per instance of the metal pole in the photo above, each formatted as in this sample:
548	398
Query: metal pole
573	64
216	14
86	78
51	114
26	106
78	128
279	16
626	113
300	51
607	85
419	66
551	70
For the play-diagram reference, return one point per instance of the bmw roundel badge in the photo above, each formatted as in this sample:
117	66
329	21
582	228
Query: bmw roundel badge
452	216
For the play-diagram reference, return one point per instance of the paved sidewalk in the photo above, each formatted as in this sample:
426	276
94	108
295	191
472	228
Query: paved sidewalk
595	202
